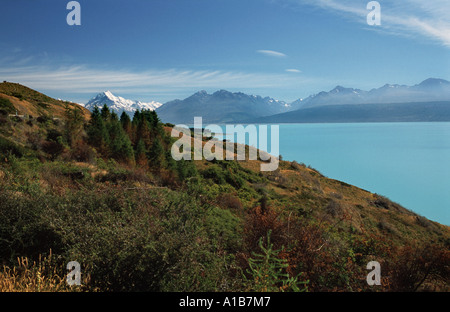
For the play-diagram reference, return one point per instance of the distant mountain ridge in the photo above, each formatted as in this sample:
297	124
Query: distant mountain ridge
119	104
220	107
431	89
231	107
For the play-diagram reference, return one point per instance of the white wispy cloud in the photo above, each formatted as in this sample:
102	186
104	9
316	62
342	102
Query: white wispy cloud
85	81
272	53
429	19
293	70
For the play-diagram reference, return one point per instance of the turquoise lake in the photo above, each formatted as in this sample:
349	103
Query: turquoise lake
407	162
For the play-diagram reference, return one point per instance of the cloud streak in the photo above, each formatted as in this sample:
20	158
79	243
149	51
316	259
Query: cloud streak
429	19
85	81
272	53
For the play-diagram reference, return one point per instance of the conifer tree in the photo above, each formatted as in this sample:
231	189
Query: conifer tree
126	124
97	133
156	154
143	133
73	126
155	118
141	154
136	118
105	113
120	145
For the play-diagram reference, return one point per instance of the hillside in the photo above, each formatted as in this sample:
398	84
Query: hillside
35	104
33	119
108	194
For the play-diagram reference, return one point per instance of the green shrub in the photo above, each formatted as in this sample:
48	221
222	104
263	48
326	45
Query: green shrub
267	272
214	173
9	148
125	241
224	228
23	231
7	106
17	95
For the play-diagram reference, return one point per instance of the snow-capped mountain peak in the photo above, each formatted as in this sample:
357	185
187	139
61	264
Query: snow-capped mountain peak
432	89
120	104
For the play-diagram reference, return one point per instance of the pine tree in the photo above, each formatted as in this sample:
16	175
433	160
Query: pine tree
137	117
105	113
120	145
154	122
141	154
143	133
126	124
127	150
98	136
156	154
74	125
186	169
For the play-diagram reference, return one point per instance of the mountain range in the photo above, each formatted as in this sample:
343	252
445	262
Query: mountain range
431	89
220	107
119	104
426	101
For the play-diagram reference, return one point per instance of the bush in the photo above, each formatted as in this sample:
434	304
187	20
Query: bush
126	241
382	202
54	149
140	242
268	272
43	119
296	166
334	208
422	221
225	229
258	222
214	173
6	106
186	169
387	227
420	268
8	148
17	95
22	229
229	201
82	152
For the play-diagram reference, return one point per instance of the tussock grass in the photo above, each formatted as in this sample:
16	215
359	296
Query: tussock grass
44	275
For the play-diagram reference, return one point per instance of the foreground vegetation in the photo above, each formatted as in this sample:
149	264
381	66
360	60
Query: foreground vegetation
105	192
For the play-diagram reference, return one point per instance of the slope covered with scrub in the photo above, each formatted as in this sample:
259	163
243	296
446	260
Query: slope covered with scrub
103	190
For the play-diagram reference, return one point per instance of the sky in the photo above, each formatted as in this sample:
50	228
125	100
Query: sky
160	50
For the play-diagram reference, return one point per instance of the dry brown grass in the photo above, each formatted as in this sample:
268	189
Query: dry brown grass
28	103
31	276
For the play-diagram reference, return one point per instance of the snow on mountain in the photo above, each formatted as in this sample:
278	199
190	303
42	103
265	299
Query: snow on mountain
431	89
220	107
119	104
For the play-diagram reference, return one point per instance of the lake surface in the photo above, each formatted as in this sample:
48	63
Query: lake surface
407	162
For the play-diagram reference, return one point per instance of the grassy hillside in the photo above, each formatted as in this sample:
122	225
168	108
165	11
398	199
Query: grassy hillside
35	104
106	193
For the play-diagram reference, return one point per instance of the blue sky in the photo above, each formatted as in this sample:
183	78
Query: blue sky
166	49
